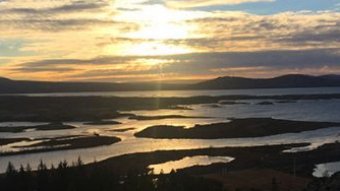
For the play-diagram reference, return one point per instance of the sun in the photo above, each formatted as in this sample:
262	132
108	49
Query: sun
160	31
158	22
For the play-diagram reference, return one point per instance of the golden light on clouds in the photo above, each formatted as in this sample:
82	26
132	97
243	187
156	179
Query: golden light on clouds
155	48
109	40
157	24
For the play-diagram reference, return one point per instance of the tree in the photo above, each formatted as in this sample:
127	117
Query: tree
10	171
274	185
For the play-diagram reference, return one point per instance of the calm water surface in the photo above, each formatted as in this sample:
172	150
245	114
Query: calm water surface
326	169
186	162
306	110
190	93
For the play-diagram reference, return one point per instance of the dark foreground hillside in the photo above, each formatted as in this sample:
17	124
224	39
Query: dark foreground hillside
77	177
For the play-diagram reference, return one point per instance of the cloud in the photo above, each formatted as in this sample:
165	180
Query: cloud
59	28
43	69
206	3
251	64
57	25
112	40
206	64
56	62
239	31
67	6
79	6
113	73
105	64
226	31
58	16
331	34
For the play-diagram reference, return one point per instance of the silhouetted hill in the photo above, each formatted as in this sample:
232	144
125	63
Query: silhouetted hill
286	81
13	86
331	76
4	79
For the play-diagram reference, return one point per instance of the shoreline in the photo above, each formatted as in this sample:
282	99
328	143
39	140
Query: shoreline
96	108
236	128
245	158
64	143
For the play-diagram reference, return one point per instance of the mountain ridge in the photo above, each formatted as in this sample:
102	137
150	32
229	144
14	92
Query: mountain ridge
284	81
8	86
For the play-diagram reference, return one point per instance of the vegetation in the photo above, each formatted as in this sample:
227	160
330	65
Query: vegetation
237	128
100	122
76	177
6	141
88	109
144	118
325	184
128	172
64	143
46	127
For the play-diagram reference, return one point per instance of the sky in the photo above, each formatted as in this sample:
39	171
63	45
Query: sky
167	40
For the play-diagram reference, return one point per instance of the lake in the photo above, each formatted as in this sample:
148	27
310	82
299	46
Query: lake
305	110
191	93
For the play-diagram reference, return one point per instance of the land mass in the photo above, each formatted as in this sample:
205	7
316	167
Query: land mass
258	157
64	143
6	141
8	86
236	128
101	122
46	127
122	130
93	109
159	117
285	81
263	168
253	167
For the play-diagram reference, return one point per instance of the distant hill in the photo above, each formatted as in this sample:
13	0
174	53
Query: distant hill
8	86
286	81
331	77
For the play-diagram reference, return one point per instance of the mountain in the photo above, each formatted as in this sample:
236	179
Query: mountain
286	81
331	76
8	86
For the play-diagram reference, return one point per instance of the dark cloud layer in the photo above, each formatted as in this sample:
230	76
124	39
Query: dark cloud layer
74	6
220	42
54	25
203	63
54	18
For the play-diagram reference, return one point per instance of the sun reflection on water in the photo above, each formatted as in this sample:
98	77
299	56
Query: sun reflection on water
186	162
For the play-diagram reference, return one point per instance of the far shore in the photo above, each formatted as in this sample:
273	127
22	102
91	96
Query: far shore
96	108
259	157
45	127
236	128
63	143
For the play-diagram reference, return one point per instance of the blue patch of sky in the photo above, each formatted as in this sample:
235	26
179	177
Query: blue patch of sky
12	48
267	8
278	6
